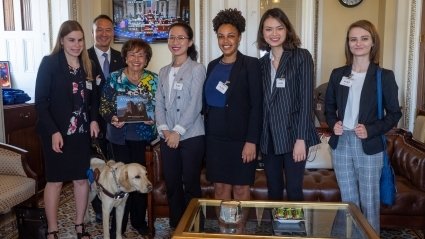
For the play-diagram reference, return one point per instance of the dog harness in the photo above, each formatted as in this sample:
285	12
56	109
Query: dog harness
100	188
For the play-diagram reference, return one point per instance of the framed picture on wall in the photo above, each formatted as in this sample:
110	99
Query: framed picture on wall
147	19
5	74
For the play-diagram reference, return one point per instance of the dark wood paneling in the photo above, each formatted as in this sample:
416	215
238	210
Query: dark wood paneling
19	124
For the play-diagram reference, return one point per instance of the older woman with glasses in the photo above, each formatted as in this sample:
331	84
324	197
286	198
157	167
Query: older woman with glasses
130	136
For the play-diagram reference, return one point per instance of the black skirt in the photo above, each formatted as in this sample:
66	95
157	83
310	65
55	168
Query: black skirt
224	161
70	165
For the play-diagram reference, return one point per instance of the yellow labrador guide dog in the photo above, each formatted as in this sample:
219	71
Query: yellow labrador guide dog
113	182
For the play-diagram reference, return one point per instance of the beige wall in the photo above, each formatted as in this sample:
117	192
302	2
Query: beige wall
335	20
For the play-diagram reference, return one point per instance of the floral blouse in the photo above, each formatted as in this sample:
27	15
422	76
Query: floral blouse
78	122
119	84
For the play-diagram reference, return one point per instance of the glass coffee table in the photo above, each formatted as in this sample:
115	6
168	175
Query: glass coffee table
206	218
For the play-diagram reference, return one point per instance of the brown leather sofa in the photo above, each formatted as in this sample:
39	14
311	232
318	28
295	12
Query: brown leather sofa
407	157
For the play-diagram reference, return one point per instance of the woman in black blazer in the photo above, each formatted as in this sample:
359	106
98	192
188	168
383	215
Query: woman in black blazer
288	126
233	103
351	112
67	107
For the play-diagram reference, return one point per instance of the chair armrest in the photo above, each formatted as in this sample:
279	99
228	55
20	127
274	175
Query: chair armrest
8	154
149	162
407	157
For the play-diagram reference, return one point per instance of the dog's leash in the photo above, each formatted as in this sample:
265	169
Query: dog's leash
95	145
92	176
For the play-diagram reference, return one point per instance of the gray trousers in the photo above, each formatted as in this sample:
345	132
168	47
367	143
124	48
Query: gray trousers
358	176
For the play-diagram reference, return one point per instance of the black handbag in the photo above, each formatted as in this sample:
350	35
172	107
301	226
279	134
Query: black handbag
32	222
387	184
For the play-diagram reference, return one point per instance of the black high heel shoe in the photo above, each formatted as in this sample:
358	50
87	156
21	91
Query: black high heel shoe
54	233
83	232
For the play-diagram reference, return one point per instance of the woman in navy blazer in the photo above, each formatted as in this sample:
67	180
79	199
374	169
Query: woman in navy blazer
352	113
233	99
67	107
288	126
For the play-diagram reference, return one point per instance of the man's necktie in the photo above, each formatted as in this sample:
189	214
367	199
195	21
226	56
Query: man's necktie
105	65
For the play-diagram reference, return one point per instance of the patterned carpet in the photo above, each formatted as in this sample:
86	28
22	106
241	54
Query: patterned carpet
66	213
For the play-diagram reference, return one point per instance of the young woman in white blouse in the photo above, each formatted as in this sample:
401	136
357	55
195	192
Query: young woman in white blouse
179	120
352	113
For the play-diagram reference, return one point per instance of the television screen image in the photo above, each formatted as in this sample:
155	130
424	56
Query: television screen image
147	19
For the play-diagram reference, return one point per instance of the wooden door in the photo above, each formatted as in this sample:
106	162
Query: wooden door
24	39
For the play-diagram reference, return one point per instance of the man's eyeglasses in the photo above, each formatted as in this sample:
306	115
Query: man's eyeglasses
177	38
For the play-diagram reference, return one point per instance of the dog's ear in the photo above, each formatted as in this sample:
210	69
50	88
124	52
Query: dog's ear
124	180
96	163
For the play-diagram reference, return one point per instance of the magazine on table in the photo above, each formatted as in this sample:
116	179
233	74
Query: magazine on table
134	109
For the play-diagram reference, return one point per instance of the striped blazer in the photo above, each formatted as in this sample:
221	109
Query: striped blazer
288	110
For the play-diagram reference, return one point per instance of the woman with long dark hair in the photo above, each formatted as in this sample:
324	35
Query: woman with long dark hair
179	121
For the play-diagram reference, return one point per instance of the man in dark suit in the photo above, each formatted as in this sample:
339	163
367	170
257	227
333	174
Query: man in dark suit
106	60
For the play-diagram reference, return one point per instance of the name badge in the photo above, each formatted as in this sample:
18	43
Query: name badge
318	107
346	81
280	82
221	87
178	86
89	85
98	80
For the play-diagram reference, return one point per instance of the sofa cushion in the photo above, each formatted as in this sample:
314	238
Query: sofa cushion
14	190
409	200
407	160
321	185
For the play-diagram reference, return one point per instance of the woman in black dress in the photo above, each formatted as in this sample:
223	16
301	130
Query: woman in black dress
233	99
67	110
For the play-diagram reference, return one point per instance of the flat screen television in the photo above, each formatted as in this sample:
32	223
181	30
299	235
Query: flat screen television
147	19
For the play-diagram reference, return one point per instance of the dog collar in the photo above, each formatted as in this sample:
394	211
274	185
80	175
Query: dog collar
119	195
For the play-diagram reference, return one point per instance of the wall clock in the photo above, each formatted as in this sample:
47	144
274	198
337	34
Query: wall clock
350	3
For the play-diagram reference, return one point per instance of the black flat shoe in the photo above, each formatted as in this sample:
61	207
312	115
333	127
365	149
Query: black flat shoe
83	233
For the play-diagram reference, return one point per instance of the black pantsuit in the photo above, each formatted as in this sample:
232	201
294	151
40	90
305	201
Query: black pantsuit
181	169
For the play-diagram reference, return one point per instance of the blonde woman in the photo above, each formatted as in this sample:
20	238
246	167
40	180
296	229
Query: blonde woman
65	100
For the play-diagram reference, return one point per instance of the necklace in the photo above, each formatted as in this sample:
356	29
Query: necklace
175	70
73	67
225	63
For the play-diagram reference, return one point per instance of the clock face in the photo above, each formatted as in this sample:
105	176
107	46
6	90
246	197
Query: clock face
350	3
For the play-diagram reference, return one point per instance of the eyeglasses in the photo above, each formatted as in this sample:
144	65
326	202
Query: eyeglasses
136	54
177	38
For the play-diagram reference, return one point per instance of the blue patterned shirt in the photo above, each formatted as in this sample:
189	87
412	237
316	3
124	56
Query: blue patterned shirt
119	84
